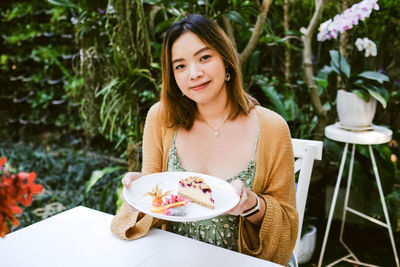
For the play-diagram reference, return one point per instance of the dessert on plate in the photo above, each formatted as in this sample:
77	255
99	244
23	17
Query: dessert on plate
173	205
195	189
157	194
190	189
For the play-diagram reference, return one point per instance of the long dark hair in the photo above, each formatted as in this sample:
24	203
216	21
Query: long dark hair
182	111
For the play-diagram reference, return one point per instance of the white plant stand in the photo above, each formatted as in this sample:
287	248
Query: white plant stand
377	135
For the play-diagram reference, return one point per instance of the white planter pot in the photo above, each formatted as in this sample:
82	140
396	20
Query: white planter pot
307	245
354	112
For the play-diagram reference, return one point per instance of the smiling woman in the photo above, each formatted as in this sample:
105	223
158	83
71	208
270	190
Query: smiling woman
206	123
212	46
199	71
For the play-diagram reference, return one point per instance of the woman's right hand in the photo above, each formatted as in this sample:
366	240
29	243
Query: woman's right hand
128	178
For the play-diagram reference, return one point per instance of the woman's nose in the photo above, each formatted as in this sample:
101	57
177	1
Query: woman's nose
195	72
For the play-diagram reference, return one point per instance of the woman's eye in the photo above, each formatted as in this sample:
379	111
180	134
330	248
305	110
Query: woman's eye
178	67
205	57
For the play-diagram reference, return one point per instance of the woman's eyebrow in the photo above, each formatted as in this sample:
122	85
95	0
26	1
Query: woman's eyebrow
195	54
201	50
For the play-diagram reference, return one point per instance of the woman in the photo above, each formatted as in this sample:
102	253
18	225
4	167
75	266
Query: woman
206	123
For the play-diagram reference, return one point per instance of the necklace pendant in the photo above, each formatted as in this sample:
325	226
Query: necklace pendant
216	133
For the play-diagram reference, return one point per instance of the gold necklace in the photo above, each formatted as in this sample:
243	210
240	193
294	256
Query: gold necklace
216	131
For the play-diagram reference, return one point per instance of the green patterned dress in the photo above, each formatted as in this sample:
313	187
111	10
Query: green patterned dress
222	231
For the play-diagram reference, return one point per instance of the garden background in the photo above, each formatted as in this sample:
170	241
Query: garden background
77	78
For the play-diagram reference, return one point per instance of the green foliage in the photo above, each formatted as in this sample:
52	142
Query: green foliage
339	64
131	86
98	174
365	84
68	177
120	105
35	64
63	3
284	100
105	194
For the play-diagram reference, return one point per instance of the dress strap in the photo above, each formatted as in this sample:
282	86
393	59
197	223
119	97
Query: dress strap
175	131
255	145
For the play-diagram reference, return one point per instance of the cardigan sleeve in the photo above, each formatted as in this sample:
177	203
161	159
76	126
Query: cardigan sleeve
132	225
275	238
152	141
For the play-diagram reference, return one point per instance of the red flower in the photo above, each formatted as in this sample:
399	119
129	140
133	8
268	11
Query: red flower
2	161
14	189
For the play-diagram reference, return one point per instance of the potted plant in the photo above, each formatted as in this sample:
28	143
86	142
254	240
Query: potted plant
308	240
358	92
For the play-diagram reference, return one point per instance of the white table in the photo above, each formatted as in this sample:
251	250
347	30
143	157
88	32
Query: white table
82	237
377	135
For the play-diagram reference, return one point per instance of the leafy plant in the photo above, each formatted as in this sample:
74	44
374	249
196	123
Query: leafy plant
286	101
35	62
366	84
99	174
66	171
119	111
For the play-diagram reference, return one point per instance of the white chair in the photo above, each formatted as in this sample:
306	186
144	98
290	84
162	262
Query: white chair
305	152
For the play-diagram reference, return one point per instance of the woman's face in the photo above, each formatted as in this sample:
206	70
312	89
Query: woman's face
198	69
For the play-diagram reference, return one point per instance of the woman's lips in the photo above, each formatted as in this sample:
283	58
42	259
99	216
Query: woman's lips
200	86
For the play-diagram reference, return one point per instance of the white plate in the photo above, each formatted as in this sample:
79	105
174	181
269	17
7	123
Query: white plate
224	195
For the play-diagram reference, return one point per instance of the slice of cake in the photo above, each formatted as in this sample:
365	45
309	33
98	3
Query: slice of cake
197	190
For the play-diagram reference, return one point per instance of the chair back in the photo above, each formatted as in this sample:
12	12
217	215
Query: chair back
305	152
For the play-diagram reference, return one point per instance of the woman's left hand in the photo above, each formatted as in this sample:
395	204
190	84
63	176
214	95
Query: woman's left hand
246	200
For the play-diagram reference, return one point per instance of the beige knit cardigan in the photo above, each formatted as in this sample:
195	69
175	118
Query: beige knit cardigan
274	240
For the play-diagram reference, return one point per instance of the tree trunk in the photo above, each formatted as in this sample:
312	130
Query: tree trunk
229	30
251	45
287	48
344	41
344	37
307	59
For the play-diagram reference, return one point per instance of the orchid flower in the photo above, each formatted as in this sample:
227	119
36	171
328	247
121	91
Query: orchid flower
367	45
346	20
